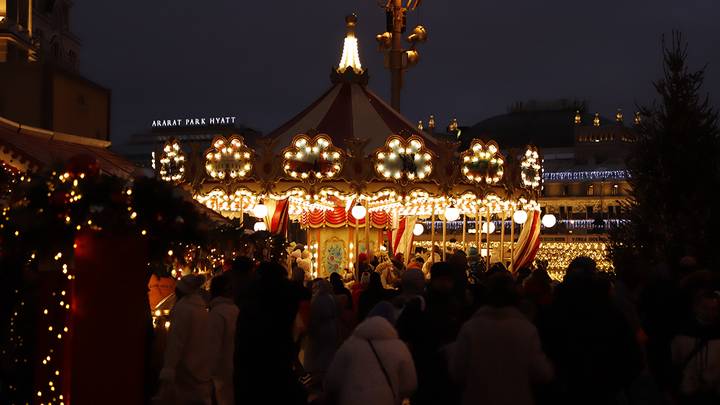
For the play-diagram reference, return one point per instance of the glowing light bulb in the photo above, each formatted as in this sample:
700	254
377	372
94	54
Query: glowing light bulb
520	217
452	213
260	210
549	220
358	211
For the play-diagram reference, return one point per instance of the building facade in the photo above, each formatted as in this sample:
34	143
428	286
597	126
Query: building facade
40	84
194	134
585	181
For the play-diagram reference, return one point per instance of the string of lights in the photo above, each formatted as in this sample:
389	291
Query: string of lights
591	175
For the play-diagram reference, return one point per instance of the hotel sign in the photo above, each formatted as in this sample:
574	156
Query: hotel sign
193	122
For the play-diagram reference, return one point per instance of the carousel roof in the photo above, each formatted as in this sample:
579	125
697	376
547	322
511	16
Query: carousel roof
348	109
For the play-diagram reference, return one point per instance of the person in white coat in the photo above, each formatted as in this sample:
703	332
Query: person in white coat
222	326
185	376
497	357
373	366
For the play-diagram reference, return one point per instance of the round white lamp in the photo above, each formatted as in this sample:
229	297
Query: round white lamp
452	213
260	226
520	217
549	220
484	227
418	229
260	210
358	211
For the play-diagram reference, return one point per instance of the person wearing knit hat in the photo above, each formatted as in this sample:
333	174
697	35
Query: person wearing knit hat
413	282
385	310
186	373
189	284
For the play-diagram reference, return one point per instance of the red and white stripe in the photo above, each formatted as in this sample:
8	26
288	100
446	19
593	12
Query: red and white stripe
346	111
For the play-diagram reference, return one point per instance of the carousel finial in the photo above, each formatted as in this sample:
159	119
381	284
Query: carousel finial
453	127
350	56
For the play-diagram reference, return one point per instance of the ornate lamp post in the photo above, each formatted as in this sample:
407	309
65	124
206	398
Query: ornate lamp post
397	59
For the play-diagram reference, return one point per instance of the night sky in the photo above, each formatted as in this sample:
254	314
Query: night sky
264	61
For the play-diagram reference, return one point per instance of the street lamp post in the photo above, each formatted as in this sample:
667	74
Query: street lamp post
397	59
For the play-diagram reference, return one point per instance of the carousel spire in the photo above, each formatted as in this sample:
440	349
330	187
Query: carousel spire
350	56
350	69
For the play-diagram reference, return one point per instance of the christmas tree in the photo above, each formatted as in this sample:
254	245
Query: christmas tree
673	173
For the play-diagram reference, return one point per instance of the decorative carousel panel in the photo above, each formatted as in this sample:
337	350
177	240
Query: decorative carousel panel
482	163
301	202
312	158
219	200
403	159
530	168
228	158
172	161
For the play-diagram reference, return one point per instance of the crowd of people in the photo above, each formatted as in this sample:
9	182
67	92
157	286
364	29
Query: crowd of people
426	331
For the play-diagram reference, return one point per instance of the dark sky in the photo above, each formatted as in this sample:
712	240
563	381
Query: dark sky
264	61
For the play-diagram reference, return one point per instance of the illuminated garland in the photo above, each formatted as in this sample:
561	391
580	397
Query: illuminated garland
172	161
228	158
482	163
560	254
400	159
587	175
530	168
42	216
316	157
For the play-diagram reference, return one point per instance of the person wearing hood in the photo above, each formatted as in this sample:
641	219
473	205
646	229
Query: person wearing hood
185	376
696	348
222	322
373	294
428	324
498	357
323	332
265	350
373	366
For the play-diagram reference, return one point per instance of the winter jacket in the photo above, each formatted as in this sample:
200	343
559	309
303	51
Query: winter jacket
323	333
498	357
701	373
355	376
186	367
221	346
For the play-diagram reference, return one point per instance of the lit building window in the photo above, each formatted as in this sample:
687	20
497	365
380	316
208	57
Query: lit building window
615	190
591	189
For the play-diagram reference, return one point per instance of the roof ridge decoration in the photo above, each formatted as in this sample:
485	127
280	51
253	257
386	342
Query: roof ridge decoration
350	69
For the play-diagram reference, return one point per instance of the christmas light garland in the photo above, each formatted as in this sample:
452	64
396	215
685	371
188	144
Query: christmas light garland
586	175
482	163
172	161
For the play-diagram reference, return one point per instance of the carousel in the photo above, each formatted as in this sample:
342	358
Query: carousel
359	177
